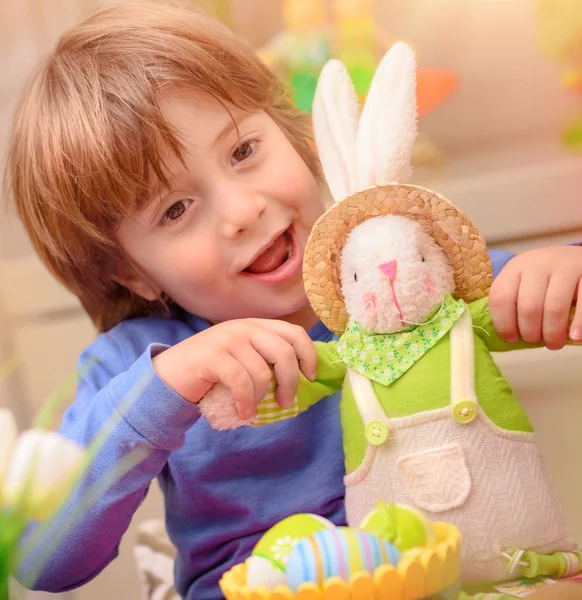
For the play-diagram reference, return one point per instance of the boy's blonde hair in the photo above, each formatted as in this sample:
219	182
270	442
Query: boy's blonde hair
89	134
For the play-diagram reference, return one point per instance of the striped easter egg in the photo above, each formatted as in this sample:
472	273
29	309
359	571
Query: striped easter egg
339	552
267	563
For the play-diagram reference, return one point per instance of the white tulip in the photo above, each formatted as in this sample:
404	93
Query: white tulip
41	473
8	433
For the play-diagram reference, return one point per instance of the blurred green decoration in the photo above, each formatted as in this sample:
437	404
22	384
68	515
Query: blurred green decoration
572	135
559	31
316	30
39	472
358	41
299	51
219	8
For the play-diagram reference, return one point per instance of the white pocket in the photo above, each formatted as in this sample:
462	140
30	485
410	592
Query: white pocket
436	480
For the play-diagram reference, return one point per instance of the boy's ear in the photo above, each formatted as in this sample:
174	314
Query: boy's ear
133	280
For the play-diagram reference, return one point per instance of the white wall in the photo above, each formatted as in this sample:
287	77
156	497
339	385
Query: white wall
508	87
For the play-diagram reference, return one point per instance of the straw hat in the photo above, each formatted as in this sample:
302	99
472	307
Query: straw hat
451	229
370	153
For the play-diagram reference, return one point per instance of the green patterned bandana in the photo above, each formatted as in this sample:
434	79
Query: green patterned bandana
384	357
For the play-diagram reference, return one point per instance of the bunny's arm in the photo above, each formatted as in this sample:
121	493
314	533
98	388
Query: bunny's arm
331	372
483	327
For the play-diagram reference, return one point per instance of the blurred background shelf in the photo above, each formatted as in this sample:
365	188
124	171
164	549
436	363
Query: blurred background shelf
519	193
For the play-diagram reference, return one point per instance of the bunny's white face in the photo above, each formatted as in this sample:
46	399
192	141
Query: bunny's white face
393	274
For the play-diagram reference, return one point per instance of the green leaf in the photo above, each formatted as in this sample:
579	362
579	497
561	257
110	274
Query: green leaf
63	391
38	537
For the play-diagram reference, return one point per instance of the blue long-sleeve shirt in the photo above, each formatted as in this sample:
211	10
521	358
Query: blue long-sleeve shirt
222	490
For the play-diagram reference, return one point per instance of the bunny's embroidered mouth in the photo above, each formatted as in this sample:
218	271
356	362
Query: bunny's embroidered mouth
400	315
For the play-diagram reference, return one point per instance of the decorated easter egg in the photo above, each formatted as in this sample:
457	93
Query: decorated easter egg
404	526
339	552
267	563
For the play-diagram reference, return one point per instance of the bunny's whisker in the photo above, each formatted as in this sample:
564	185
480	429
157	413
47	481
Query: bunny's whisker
482	329
438	312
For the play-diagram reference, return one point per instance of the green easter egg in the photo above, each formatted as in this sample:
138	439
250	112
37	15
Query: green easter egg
277	543
404	526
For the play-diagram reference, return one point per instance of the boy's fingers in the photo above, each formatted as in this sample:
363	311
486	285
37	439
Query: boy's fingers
530	306
278	352
503	305
258	370
301	342
234	376
576	326
558	303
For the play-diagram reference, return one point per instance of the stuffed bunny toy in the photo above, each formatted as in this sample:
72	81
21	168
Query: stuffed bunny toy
401	275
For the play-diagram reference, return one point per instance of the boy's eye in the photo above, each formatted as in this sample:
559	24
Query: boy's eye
176	210
242	152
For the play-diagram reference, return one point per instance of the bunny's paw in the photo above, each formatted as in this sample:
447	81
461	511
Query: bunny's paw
219	409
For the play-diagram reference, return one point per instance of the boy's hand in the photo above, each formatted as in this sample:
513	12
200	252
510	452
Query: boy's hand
532	297
238	354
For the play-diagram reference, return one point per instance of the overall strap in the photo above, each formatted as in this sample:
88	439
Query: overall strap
464	401
376	423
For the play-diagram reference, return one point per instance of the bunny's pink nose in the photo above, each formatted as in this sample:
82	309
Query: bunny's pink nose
389	269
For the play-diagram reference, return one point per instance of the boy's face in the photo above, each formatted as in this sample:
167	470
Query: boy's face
227	240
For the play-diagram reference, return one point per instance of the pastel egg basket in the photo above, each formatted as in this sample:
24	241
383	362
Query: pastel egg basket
423	573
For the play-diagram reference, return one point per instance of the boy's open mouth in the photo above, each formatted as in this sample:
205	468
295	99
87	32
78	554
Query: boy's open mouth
273	257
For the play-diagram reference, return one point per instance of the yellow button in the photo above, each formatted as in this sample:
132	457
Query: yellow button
376	432
464	411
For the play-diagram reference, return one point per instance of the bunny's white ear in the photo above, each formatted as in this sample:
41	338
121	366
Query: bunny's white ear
388	124
335	125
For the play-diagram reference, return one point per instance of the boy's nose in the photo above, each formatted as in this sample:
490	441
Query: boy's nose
240	212
389	269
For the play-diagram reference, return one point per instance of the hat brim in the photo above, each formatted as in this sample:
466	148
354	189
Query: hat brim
459	239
